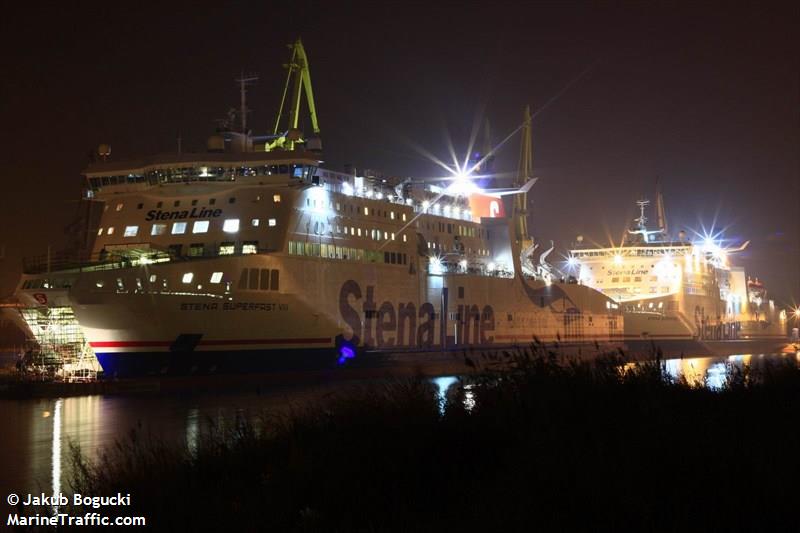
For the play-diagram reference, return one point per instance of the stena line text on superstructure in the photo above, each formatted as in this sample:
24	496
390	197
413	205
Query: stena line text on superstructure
157	214
388	326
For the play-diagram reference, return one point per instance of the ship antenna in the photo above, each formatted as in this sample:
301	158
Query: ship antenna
642	220
243	82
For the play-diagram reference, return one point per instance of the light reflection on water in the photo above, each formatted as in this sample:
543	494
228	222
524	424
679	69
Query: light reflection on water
37	433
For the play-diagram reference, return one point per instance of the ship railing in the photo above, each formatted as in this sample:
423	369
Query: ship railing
116	259
447	268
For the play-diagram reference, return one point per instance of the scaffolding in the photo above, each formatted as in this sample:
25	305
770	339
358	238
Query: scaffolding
61	352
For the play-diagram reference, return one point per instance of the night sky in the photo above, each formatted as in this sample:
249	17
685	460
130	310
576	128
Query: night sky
705	98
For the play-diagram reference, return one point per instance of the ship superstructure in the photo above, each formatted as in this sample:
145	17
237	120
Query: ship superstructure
252	256
677	289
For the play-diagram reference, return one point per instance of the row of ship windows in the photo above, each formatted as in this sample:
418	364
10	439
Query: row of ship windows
636	290
262	279
332	251
354	209
457	247
276	199
230	225
374	234
187	174
251	278
464	231
199	249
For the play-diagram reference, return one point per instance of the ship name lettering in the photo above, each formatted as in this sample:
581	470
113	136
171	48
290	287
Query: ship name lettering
198	306
389	326
202	212
234	306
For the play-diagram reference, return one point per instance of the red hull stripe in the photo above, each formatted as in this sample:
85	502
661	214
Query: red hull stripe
146	344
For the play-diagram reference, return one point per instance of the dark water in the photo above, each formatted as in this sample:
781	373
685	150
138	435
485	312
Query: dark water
35	434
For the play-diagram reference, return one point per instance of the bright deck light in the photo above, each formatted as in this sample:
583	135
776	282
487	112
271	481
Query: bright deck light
435	265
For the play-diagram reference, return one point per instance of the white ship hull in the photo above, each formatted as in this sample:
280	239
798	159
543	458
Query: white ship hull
325	314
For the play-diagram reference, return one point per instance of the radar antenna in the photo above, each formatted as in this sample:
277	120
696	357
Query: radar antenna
641	222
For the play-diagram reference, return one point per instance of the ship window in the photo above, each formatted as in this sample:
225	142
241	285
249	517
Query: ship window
200	226
231	225
110	231
120	206
272	222
176	203
226	248
159	205
405	238
263	281
626	279
391	215
274	280
187	278
99	232
196	249
253	279
255	222
212	201
250	247
153	278
120	284
175	249
179	228
216	277
276	198
614	280
131	231
243	279
140	206
392	236
194	202
231	200
158	229
637	278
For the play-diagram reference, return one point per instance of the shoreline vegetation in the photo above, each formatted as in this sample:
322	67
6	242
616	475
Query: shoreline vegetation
531	441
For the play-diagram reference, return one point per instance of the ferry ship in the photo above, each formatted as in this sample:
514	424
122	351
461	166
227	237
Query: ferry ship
252	256
683	295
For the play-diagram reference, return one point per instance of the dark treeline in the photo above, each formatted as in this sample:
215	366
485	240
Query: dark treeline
545	446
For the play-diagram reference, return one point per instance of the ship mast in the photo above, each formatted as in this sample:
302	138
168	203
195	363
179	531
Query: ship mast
243	82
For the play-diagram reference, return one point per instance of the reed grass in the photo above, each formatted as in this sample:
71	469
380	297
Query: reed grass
531	441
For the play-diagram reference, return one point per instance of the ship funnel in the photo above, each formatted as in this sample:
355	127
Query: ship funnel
216	144
104	151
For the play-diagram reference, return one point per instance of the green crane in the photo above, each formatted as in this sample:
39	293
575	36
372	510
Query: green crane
298	77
